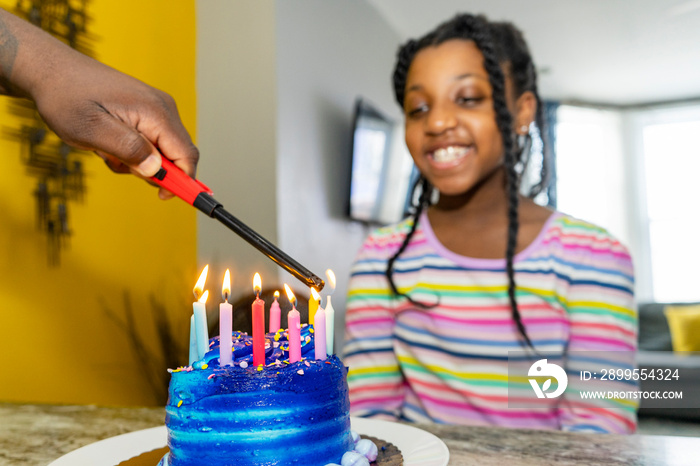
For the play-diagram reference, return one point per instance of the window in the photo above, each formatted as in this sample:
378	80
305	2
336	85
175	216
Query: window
637	174
672	171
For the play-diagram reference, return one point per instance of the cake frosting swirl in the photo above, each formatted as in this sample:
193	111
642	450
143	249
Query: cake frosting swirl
279	413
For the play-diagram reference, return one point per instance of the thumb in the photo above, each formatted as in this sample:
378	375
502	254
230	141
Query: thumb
132	148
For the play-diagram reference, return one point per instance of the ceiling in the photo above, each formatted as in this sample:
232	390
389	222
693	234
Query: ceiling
612	52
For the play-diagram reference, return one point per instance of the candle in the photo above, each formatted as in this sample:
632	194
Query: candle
226	324
330	312
275	313
194	354
319	329
294	321
200	314
258	323
201	325
330	324
313	305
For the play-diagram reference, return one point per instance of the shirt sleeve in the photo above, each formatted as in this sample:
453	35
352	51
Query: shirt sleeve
374	377
603	336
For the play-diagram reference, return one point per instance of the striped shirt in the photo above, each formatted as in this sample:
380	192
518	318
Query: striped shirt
449	363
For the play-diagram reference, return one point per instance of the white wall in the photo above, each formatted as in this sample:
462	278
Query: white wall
236	111
276	86
328	53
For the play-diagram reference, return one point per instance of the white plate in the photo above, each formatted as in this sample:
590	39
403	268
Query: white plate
418	447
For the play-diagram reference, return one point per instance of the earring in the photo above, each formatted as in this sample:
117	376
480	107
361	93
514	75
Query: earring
524	129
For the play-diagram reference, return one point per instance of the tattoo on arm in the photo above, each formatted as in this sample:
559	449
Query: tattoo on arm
8	53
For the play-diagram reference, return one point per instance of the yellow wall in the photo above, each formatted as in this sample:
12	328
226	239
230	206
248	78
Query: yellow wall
57	344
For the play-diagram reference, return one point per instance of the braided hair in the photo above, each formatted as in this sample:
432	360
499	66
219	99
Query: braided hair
502	46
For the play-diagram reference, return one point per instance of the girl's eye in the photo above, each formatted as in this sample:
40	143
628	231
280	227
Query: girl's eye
417	110
469	101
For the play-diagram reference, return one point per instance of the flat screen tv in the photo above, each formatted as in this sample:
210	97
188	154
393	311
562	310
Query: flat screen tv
382	169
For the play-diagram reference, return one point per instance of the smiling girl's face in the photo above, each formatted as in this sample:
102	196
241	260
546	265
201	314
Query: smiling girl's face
451	129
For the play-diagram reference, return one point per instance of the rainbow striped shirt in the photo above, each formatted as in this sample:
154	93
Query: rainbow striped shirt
449	363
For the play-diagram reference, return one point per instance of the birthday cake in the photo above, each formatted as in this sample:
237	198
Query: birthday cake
279	413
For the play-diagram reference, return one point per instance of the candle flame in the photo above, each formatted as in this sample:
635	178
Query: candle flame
331	281
257	283
290	295
277	294
199	287
226	288
204	297
315	294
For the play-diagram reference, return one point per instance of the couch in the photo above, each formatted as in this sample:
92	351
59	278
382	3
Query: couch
656	352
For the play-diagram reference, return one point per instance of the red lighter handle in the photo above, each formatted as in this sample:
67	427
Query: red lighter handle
178	182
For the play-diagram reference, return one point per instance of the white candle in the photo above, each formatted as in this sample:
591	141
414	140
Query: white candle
330	326
226	324
330	313
198	322
201	325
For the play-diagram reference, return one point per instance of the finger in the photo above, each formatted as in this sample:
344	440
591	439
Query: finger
113	163
126	144
164	194
174	141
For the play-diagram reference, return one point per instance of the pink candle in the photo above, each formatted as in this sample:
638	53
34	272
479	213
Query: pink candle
275	313
294	322
320	334
258	324
226	324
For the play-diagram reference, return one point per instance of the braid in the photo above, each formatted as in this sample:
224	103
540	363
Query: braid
504	121
403	61
423	201
501	44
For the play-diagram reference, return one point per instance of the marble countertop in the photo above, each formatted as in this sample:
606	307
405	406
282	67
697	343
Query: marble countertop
38	434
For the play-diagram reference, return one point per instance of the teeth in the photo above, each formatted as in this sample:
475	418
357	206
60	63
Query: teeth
449	154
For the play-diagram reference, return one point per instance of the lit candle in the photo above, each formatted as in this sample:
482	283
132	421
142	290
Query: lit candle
275	313
226	324
319	329
258	323
294	321
201	326
194	354
200	314
313	306
330	312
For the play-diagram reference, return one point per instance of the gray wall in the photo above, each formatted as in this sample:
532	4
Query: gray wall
236	105
277	82
328	53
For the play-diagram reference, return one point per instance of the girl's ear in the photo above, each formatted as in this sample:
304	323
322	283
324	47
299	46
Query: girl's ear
525	110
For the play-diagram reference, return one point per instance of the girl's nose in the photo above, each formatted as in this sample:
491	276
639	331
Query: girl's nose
441	118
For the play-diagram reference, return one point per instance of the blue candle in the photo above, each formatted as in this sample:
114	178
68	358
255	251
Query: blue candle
194	353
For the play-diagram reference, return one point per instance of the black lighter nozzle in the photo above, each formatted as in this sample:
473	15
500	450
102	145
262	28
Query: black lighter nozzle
210	206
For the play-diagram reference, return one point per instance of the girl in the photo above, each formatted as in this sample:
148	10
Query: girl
437	301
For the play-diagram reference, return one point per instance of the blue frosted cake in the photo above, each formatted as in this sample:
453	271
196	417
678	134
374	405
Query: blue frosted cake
277	414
